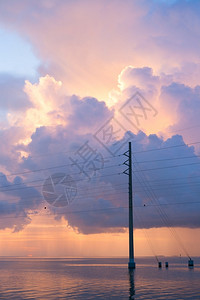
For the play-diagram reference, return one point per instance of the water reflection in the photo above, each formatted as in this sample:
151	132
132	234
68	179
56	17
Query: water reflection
132	285
101	278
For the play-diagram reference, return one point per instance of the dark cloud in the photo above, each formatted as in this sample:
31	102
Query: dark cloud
87	113
8	151
17	200
165	194
12	97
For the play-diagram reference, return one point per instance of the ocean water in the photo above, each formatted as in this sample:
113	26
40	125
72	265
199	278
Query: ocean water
98	278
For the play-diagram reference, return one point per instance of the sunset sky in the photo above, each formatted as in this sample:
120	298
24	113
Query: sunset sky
72	70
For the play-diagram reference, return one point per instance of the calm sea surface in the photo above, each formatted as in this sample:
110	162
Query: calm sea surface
33	278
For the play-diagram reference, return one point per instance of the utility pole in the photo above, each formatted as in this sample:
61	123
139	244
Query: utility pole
128	171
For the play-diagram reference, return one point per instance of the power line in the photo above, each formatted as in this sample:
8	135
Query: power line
167	159
106	192
58	153
77	180
117	165
140	220
102	209
168	167
54	167
164	216
110	157
169	147
173	179
183	129
78	196
171	185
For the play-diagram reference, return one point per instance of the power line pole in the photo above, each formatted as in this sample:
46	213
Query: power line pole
128	162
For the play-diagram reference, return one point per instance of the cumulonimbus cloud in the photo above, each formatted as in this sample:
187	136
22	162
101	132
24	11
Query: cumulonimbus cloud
159	184
155	52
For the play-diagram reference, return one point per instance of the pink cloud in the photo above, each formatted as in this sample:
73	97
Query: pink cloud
85	44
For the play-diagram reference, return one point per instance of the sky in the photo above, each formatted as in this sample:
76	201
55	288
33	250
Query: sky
79	80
